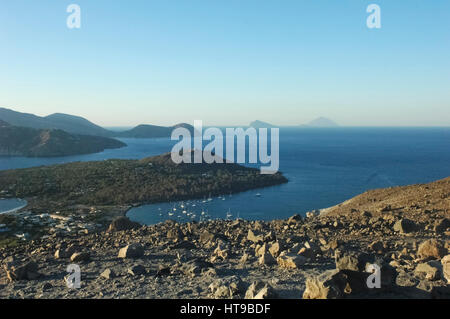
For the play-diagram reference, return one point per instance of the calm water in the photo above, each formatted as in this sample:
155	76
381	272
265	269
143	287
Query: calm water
136	149
324	168
10	205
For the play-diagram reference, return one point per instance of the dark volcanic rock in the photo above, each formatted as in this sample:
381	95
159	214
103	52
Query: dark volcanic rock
328	285
442	225
17	271
260	290
122	223
137	270
80	257
131	251
405	226
352	260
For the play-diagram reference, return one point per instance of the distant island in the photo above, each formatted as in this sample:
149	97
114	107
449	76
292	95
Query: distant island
318	122
78	125
261	124
30	142
321	122
152	131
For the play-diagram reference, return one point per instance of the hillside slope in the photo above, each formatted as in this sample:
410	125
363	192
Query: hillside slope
79	125
413	201
69	123
24	141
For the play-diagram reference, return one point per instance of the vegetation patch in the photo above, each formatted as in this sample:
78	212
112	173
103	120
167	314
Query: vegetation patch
124	182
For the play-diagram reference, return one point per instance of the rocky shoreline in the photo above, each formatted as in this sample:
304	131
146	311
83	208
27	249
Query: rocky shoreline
83	197
320	256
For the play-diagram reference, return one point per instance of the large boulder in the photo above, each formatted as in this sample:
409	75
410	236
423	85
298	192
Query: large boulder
431	249
131	251
136	270
108	274
251	236
267	260
377	246
290	261
261	250
17	271
196	267
329	285
310	250
442	225
275	249
220	253
352	260
405	226
430	270
122	223
337	284
80	257
66	252
227	287
406	279
356	266
260	290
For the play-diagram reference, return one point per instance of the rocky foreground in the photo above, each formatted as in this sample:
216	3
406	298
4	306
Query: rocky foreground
405	231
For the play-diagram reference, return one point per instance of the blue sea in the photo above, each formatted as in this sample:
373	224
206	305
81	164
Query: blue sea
325	166
10	205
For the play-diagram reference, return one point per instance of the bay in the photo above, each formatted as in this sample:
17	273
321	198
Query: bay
325	166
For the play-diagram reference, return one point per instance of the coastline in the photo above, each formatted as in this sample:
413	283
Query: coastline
13	210
406	234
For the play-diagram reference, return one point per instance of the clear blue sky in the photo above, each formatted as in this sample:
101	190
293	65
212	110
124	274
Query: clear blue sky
228	62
